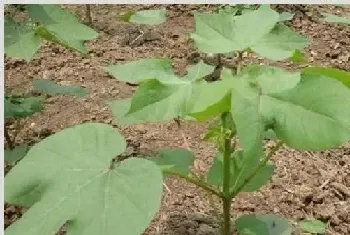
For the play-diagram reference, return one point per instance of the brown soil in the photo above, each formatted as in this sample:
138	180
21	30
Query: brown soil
306	184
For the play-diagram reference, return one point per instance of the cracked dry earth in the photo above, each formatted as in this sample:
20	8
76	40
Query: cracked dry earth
305	184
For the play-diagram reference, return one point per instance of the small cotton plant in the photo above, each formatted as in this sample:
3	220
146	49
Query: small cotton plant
77	177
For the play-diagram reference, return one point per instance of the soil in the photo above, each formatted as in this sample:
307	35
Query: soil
305	185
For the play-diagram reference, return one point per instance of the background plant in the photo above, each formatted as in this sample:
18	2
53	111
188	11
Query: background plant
307	110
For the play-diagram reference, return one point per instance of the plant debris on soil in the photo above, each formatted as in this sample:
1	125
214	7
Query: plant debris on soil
305	185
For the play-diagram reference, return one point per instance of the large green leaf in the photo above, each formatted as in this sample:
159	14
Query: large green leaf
20	41
262	225
139	70
314	115
60	26
223	33
74	182
257	30
149	17
52	88
330	18
177	161
340	75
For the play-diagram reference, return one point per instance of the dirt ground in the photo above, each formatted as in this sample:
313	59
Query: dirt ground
305	185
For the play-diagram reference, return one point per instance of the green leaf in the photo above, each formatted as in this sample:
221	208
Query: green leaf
22	107
215	173
174	161
170	97
20	41
73	182
49	14
280	43
60	26
312	226
340	75
139	70
223	33
11	156
149	17
150	93
198	71
120	108
262	225
52	88
330	18
314	115
286	16
298	57
209	100
261	178
269	135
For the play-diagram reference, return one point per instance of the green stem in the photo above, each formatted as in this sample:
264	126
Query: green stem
197	182
260	166
226	199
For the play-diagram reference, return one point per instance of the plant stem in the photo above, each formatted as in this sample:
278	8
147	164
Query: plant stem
88	14
239	62
226	199
261	165
178	123
8	138
197	182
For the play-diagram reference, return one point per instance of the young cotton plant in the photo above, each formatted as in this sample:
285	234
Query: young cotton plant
307	110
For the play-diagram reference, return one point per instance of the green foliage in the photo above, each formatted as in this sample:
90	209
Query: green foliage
174	161
22	106
75	180
312	226
11	156
139	70
49	22
149	17
298	57
165	96
215	174
19	40
340	75
262	225
307	110
290	106
224	33
51	88
330	18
